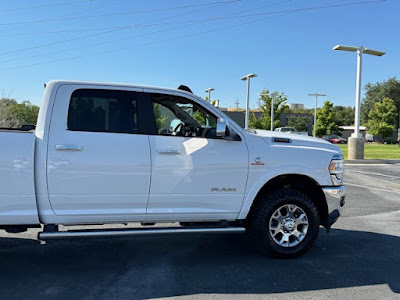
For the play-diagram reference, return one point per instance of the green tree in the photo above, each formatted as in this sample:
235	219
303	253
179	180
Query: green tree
326	123
14	114
26	112
344	115
200	118
382	118
264	121
6	118
300	123
160	118
376	92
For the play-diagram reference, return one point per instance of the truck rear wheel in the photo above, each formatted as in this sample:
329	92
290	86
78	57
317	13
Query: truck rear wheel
283	223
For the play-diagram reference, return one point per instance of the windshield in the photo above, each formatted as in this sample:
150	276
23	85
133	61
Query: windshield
286	129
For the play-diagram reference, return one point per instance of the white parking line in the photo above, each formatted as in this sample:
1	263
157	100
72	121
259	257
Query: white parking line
349	165
377	174
373	188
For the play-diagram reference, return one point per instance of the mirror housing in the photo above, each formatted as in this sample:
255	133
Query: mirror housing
174	124
222	127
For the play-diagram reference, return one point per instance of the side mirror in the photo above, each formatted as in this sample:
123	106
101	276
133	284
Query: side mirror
222	127
174	125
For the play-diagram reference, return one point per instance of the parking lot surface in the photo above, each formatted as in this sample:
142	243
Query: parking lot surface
358	259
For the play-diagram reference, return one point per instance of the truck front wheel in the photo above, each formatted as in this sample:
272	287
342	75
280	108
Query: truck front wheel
283	223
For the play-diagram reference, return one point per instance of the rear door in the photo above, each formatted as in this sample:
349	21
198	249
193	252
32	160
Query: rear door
98	152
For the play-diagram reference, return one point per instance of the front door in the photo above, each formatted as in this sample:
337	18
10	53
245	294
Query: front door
98	153
195	174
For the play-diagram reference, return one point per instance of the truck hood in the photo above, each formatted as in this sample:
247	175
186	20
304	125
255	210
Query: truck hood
278	138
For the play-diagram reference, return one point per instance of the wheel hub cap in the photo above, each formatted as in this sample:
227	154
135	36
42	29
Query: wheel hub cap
288	225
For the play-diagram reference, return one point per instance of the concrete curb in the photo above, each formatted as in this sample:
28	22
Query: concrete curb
371	161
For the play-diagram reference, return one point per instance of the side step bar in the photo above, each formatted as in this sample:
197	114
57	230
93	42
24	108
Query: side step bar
138	232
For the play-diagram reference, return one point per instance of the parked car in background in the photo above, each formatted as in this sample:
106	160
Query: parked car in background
291	130
369	137
334	139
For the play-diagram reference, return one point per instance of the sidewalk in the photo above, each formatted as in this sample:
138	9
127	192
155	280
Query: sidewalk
372	161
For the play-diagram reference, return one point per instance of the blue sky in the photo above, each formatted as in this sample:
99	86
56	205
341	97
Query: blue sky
207	43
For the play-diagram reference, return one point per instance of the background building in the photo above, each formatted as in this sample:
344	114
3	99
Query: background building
296	105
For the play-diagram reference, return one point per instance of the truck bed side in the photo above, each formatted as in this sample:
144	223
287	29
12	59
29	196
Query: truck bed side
17	189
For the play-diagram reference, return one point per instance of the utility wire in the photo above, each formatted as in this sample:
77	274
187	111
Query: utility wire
114	30
44	5
202	33
120	27
116	13
130	37
91	45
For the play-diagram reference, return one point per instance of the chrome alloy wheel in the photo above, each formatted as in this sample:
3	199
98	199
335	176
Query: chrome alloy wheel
288	225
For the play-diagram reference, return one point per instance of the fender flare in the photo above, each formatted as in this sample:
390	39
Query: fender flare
271	174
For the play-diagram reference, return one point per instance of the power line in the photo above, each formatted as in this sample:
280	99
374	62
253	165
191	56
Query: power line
121	27
111	41
43	5
126	38
202	33
116	13
90	45
118	29
130	37
9	29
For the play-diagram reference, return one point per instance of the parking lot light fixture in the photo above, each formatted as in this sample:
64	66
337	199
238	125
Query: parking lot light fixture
316	95
209	90
247	78
356	146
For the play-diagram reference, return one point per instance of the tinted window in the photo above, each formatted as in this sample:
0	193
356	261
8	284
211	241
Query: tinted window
104	111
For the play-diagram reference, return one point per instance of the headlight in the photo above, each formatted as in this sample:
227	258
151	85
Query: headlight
336	169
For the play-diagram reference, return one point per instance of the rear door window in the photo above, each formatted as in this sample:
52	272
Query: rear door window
114	111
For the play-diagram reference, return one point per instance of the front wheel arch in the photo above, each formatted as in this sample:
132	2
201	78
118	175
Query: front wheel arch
301	183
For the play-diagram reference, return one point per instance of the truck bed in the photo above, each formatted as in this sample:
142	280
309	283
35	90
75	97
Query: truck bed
17	189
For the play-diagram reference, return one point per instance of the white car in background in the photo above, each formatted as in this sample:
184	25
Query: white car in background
290	130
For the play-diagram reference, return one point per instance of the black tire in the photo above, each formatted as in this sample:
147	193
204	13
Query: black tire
258	223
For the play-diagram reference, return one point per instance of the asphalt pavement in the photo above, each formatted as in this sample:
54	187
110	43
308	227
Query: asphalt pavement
358	259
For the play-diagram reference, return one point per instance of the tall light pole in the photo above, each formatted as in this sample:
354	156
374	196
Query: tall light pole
209	90
356	142
247	77
273	95
316	95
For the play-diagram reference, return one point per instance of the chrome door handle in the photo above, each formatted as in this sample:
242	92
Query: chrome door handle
68	148
169	151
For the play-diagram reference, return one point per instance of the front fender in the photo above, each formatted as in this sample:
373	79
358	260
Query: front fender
264	178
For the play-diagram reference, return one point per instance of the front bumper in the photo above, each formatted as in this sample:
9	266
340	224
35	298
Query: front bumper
335	199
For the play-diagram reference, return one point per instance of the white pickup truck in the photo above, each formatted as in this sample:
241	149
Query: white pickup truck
105	153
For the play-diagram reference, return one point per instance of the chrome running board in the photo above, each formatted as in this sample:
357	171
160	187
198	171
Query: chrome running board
135	232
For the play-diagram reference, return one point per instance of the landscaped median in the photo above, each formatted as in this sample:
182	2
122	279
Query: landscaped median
376	151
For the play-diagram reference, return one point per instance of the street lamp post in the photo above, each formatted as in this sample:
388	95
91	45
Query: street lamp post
209	90
247	77
316	95
272	111
356	141
273	95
